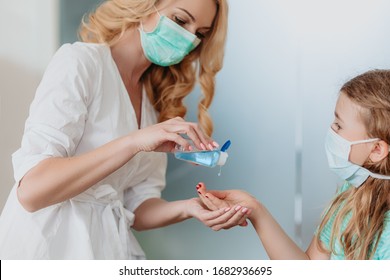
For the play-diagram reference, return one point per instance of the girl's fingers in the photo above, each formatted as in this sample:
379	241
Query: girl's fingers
237	214
218	194
210	216
216	201
209	199
243	222
207	203
229	217
205	200
201	187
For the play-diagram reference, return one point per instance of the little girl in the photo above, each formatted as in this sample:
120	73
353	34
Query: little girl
356	225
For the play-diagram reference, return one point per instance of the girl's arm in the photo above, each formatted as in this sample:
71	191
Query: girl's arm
276	242
278	245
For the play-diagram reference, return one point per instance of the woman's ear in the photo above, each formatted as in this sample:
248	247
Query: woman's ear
379	151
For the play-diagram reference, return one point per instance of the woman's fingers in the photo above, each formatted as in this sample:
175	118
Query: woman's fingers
164	136
228	219
193	131
209	217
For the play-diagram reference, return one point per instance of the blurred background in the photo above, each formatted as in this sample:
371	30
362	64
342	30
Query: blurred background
285	62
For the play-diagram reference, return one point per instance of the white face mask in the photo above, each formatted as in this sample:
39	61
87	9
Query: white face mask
338	150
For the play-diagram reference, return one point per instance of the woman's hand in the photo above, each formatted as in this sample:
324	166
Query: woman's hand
163	137
223	218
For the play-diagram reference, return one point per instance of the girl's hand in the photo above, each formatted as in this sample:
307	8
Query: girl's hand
223	218
214	200
163	137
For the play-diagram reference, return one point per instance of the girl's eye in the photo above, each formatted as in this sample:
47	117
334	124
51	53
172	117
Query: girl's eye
179	21
336	126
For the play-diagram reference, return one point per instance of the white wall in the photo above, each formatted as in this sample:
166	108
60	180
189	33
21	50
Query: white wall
28	31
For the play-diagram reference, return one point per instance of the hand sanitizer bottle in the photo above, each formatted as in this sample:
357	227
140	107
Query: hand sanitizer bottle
205	158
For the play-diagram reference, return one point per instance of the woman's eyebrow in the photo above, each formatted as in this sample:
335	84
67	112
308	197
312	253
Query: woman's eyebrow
188	13
192	17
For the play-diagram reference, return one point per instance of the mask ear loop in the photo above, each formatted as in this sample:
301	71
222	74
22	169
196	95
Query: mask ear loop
157	11
142	26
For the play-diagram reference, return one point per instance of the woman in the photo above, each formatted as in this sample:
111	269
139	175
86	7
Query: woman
83	176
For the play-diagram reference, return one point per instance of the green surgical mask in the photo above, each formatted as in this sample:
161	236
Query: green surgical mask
168	43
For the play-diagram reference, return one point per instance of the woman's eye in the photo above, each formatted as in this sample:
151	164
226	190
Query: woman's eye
179	21
200	35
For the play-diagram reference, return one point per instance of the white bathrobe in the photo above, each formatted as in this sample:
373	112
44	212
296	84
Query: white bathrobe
80	105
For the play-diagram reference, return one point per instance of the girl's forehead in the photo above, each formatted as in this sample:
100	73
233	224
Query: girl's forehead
350	113
344	103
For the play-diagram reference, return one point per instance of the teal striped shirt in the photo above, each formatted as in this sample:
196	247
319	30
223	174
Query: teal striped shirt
383	250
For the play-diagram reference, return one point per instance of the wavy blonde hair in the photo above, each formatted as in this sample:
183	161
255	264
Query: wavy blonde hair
166	86
369	203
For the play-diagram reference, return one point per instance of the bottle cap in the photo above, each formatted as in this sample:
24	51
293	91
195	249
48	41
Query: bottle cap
222	158
226	146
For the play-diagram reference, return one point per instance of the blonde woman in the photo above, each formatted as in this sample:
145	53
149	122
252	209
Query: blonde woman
86	171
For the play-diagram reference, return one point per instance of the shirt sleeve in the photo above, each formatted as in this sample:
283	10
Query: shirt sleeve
151	187
58	112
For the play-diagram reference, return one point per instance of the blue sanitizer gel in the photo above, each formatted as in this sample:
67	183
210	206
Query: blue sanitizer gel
204	158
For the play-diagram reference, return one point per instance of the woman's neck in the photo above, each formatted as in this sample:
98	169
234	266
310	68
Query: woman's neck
129	57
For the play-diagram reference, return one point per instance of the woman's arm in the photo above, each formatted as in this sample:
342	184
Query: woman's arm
54	180
155	213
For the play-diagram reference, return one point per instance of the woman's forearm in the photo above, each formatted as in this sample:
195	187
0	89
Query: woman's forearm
155	213
277	243
57	179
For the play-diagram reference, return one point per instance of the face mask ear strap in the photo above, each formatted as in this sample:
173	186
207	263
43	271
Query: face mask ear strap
364	141
141	24
157	11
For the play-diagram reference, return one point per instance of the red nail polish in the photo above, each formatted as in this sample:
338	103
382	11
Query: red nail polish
199	192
